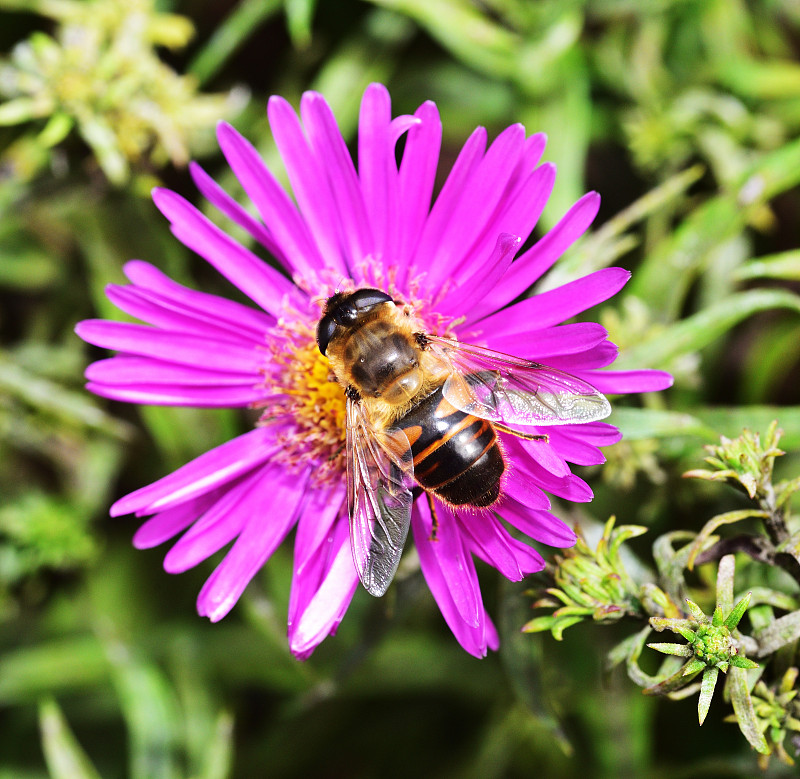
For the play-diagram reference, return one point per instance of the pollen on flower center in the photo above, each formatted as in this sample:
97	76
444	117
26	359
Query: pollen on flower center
303	389
306	392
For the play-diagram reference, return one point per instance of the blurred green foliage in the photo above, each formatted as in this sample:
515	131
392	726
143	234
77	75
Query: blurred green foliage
684	114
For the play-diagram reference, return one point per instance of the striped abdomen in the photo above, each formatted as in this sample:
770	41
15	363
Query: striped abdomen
456	455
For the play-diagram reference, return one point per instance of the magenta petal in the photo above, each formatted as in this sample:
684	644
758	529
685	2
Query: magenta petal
268	513
159	394
552	307
568	487
203	474
614	382
541	452
573	448
320	510
417	176
239	265
426	256
219	198
308	181
517	213
456	563
524	489
129	369
314	551
167	524
472	639
183	348
474	213
220	523
377	170
492	543
144	275
484	276
540	257
539	525
276	208
561	339
170	315
326	609
333	156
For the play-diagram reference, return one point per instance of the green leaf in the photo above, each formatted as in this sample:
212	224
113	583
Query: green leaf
739	691
299	15
701	329
784	265
149	707
781	632
64	756
51	667
242	22
707	686
460	27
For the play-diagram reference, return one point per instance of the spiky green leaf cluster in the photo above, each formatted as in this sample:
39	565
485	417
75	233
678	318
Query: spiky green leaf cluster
590	583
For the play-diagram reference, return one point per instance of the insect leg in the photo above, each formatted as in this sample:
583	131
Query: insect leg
434	518
519	434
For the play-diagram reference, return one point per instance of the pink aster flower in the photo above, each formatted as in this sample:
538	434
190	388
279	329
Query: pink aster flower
456	261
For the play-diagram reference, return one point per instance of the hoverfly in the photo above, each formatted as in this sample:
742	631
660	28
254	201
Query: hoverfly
424	412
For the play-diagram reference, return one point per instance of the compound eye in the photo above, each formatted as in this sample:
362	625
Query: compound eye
325	330
367	298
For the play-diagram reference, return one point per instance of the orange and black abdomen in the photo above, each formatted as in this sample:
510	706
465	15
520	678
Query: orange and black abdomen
456	455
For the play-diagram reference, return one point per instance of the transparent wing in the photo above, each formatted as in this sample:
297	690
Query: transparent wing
380	479
502	388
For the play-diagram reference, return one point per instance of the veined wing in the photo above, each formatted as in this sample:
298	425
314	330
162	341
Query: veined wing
380	479
503	388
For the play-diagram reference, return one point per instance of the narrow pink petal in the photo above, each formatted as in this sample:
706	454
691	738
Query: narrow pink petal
205	473
269	512
170	315
528	559
239	265
618	382
309	184
517	213
596	433
327	608
314	552
426	256
220	199
553	307
472	639
539	525
598	356
484	276
561	339
128	369
249	320
276	208
320	510
333	157
167	524
220	523
416	179
540	451
377	170
520	486
492	542
181	348
478	200
568	487
181	395
572	448
456	563
540	257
